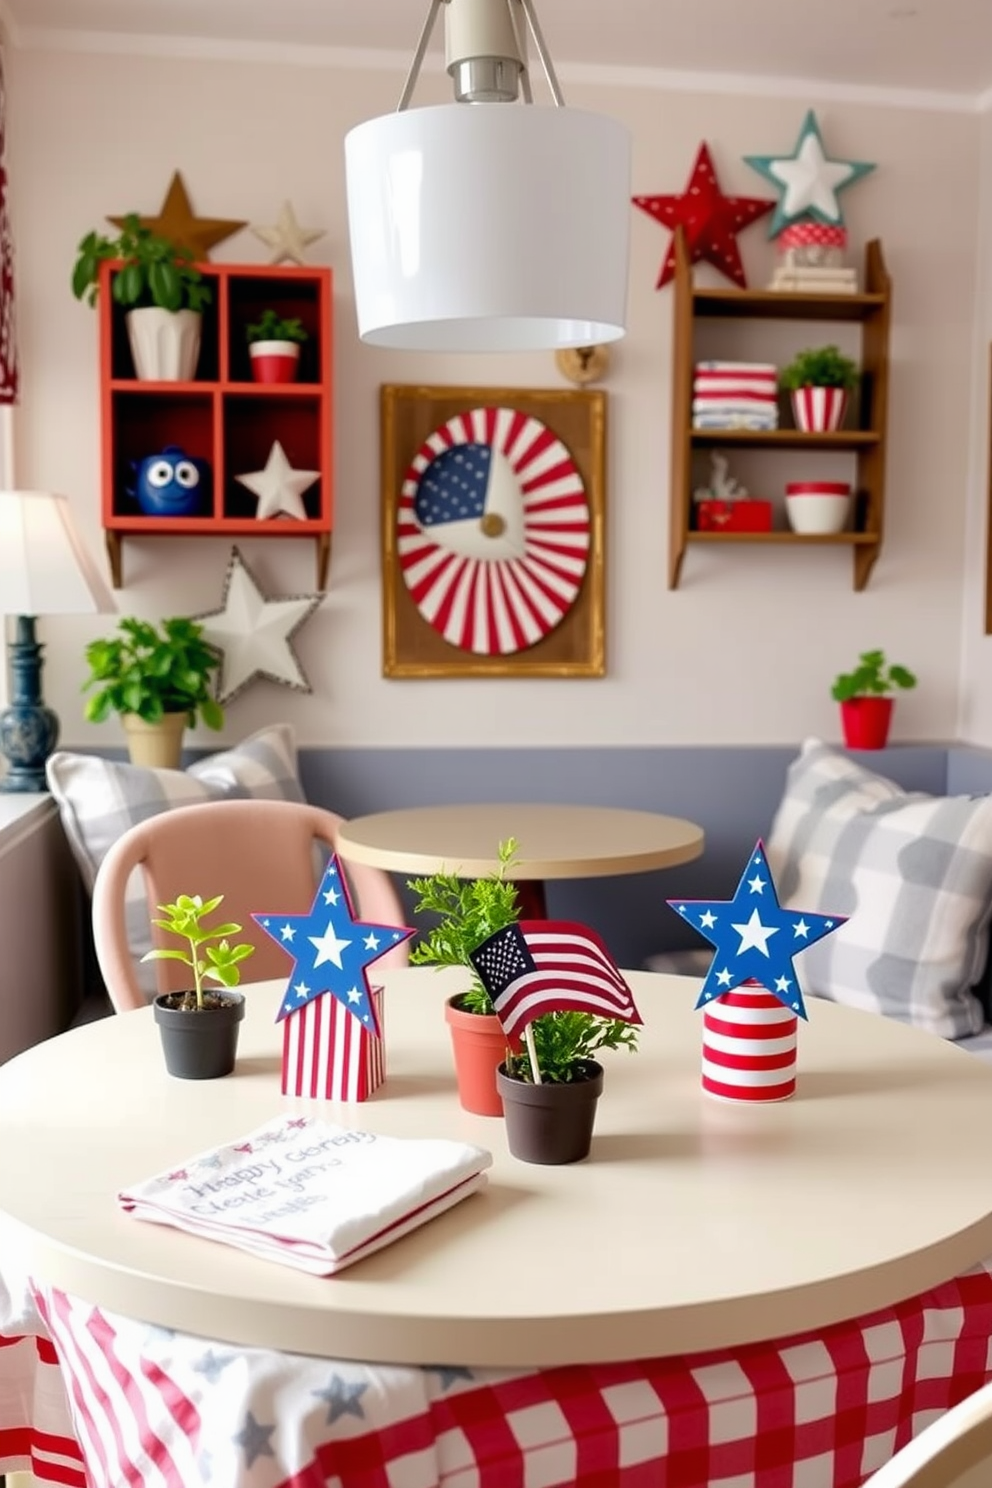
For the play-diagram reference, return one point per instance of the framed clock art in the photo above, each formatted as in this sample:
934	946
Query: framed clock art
493	503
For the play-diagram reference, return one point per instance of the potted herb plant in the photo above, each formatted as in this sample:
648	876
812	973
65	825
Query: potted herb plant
159	288
550	1089
820	381
865	697
199	1027
469	910
158	678
274	346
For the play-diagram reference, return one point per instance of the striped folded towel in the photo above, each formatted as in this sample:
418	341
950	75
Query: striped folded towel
313	1195
735	420
735	405
716	387
746	369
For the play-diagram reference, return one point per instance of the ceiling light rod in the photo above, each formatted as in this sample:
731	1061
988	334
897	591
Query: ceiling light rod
505	61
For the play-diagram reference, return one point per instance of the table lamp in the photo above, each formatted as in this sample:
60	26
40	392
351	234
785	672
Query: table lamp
44	570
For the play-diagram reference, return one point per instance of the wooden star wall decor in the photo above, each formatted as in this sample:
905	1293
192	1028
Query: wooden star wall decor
177	222
710	221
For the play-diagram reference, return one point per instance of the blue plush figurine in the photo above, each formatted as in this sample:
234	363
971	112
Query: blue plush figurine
171	483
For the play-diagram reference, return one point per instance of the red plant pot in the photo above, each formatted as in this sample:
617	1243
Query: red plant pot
274	361
819	410
866	721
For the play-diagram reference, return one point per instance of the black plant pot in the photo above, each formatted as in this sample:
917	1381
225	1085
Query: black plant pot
551	1123
200	1045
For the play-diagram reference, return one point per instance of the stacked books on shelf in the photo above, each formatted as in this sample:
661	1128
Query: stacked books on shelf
735	395
810	260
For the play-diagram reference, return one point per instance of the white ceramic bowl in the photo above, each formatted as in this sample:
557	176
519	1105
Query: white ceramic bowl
817	507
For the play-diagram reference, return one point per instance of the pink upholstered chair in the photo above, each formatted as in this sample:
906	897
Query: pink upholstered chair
259	854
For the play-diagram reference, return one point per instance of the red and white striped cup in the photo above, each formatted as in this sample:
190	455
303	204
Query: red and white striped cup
749	1046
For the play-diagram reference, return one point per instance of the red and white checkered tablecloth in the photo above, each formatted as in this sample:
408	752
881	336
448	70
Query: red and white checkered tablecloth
157	1409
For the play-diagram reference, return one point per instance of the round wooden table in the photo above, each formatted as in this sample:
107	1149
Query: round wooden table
556	841
694	1224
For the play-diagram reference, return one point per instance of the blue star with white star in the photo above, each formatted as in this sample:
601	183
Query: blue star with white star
755	937
331	949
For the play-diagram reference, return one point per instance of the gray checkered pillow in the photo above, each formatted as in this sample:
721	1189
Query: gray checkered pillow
913	872
99	799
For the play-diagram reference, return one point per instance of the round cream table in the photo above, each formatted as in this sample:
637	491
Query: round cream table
693	1225
555	841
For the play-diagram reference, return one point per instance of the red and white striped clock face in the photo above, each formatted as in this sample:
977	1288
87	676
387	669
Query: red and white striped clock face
493	531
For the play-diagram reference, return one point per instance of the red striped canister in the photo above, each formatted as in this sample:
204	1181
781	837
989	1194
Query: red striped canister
749	1046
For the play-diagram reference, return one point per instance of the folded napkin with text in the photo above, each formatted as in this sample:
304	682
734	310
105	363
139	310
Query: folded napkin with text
311	1194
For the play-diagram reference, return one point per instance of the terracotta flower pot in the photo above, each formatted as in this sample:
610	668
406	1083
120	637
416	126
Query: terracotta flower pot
479	1045
551	1124
200	1045
819	410
866	721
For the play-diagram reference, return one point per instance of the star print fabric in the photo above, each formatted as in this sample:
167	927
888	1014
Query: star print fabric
311	1194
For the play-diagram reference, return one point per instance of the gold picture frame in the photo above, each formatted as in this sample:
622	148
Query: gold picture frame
575	647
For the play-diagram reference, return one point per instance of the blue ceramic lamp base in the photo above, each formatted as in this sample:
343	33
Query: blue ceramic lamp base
28	730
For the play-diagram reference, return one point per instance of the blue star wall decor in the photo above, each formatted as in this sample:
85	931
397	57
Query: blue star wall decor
807	180
755	937
331	949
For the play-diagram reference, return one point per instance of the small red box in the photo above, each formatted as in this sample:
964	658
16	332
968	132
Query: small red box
734	516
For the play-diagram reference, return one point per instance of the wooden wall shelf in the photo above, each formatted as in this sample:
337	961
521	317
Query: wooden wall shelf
865	444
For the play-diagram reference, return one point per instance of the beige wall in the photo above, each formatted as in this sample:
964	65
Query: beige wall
746	650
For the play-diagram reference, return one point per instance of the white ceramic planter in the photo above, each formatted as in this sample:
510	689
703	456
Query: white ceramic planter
819	410
165	344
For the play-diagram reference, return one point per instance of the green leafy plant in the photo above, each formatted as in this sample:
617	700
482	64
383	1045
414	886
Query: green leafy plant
154	270
565	1041
151	671
470	910
271	326
219	962
819	366
872	677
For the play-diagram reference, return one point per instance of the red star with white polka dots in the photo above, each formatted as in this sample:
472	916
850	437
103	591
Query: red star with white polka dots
710	221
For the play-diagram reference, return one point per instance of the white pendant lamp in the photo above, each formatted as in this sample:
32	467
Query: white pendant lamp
484	225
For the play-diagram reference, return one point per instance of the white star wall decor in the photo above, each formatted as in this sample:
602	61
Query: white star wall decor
254	634
286	238
279	487
808	180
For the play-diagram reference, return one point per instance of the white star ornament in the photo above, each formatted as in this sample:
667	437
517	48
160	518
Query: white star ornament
279	487
254	634
286	238
807	180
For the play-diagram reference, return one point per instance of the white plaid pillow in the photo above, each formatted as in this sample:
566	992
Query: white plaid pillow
913	872
100	799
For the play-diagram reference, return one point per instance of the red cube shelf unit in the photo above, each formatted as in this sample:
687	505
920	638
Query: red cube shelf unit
222	416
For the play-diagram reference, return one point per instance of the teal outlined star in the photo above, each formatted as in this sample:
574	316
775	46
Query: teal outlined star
755	937
808	180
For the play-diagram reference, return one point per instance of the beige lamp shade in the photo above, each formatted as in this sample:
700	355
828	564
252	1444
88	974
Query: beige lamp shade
45	568
489	227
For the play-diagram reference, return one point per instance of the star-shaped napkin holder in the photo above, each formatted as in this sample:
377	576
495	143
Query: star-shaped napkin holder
751	997
332	1016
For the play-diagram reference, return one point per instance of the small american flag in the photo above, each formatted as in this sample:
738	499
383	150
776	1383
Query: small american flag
547	966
